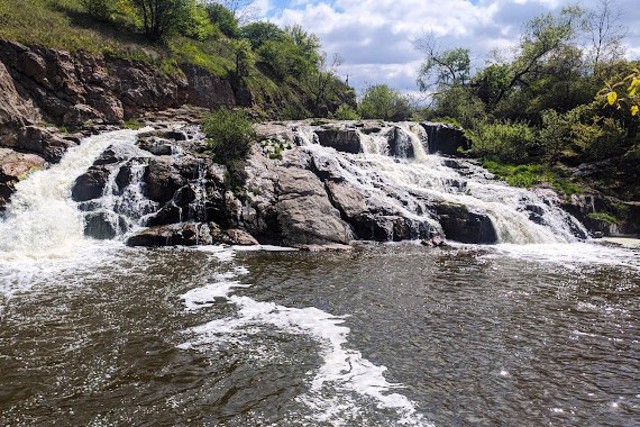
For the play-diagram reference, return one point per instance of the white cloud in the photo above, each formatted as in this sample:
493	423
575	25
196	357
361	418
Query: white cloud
374	37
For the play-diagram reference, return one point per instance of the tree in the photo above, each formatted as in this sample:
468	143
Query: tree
245	57
605	34
160	17
308	44
382	102
224	18
442	69
321	84
258	33
542	36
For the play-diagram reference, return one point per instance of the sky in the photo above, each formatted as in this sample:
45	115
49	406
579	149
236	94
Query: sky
375	38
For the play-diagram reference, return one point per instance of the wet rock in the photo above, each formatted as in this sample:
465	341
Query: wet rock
184	234
434	242
304	212
462	225
91	184
345	140
161	181
103	225
156	146
400	144
235	236
445	139
15	166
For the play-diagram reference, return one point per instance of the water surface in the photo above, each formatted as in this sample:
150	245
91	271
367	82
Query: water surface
386	335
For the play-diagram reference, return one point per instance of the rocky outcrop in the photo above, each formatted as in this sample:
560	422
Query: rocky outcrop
446	139
13	167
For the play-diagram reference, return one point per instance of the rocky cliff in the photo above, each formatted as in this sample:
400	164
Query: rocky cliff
51	99
307	186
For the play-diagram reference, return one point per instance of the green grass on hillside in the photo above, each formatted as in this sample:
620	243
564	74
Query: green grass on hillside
527	176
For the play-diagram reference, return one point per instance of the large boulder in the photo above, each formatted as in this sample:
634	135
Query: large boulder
161	181
91	184
184	234
462	225
304	212
445	139
345	140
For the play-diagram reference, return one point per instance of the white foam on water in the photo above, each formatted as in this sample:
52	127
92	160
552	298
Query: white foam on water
41	222
570	255
344	382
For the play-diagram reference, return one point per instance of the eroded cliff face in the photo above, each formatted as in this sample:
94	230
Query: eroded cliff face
45	90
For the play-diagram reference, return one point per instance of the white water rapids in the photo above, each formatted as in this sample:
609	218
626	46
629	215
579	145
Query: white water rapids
42	223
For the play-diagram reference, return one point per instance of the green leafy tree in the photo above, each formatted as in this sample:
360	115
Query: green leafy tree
224	18
442	69
244	56
160	17
382	102
258	33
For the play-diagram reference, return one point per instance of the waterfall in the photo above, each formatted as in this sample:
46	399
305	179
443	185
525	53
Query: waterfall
395	171
41	221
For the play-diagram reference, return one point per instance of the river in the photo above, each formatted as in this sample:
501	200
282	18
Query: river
99	334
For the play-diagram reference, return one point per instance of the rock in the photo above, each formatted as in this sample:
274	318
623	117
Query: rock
91	184
445	139
235	236
156	146
304	212
103	225
161	181
79	114
400	144
185	234
15	166
207	90
462	225
345	140
434	242
15	111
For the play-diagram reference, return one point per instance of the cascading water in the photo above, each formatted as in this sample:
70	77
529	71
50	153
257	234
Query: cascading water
219	336
41	221
411	181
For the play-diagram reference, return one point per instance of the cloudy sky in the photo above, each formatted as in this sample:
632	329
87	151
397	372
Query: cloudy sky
375	37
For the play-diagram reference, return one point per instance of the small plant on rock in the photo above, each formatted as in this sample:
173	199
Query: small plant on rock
230	135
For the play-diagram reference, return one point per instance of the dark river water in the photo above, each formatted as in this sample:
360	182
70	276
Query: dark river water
387	335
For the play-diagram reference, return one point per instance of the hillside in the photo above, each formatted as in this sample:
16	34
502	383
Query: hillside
207	40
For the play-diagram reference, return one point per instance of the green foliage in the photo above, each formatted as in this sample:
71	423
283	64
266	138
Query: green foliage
230	135
382	102
224	19
196	24
449	68
461	105
346	112
509	142
244	56
258	33
530	175
133	124
603	216
160	17
101	10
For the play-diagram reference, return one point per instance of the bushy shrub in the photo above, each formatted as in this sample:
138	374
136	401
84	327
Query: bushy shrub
504	141
230	135
382	102
101	10
346	112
